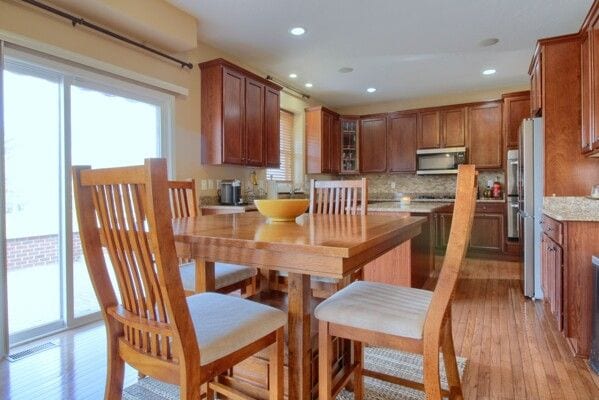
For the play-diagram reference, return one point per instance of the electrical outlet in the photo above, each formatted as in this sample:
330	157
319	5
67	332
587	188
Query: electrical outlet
203	185
392	185
210	184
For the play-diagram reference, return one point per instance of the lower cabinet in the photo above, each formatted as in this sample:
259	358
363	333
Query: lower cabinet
487	229
552	268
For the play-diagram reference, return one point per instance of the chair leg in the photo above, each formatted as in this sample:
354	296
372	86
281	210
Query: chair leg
451	365
430	359
358	376
115	374
325	359
275	369
209	392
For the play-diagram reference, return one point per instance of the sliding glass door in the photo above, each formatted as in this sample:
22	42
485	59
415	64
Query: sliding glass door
56	116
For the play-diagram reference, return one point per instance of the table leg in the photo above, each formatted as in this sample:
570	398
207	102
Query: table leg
300	346
204	276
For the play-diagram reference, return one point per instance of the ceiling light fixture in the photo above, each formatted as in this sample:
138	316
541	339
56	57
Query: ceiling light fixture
371	90
293	76
489	71
488	42
308	85
297	31
345	70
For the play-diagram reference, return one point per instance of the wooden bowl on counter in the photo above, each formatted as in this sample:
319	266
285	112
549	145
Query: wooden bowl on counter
282	210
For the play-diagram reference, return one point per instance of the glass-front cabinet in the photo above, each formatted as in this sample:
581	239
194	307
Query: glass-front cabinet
349	142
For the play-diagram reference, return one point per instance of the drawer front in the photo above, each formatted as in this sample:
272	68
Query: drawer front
553	229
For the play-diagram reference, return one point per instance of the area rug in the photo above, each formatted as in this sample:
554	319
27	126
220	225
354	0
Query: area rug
404	365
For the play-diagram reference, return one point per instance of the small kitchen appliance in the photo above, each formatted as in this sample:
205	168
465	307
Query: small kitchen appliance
229	192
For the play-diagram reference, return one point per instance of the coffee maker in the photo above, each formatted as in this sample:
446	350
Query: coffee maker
229	192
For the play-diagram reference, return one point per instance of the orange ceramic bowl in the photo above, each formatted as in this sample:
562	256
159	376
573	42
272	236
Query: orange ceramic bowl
282	210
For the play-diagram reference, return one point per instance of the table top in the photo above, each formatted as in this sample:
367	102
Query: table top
328	235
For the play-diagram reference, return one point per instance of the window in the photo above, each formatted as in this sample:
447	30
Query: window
285	170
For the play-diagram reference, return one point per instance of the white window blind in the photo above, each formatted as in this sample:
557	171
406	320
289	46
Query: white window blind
285	171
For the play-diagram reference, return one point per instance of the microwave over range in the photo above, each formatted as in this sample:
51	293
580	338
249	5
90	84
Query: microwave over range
440	161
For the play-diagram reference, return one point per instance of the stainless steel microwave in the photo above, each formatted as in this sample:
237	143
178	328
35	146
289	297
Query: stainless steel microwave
440	161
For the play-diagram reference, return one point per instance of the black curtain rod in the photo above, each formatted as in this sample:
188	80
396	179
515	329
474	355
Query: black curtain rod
80	21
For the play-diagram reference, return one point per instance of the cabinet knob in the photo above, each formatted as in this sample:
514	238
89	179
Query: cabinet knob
549	229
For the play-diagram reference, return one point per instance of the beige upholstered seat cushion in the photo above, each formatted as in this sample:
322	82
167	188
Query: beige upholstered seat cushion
224	275
378	307
224	324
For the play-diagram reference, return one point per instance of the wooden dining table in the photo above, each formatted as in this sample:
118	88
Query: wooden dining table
331	246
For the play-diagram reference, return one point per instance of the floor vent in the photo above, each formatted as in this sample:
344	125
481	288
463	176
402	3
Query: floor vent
30	351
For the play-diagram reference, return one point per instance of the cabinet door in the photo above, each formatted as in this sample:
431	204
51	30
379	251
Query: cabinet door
429	136
453	128
272	127
544	267
233	117
487	233
335	156
327	128
443	229
515	109
558	285
484	136
254	123
373	144
594	79
536	87
402	132
586	93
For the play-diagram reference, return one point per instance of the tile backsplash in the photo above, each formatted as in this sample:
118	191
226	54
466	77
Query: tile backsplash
381	185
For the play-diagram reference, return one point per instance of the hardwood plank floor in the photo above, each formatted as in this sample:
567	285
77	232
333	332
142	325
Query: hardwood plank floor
512	346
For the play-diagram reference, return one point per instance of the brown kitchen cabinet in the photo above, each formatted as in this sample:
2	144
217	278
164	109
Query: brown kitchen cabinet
272	127
487	229
485	135
373	143
552	277
349	144
536	88
589	80
444	127
323	141
516	107
238	111
402	142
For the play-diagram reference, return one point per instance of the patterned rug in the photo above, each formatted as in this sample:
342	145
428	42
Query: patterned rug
405	365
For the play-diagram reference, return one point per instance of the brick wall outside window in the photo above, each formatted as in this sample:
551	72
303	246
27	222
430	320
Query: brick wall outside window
37	250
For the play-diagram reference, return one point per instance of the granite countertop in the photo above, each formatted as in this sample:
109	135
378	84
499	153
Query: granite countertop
395	206
571	208
446	201
240	207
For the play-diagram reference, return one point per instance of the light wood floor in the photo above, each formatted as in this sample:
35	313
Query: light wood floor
513	349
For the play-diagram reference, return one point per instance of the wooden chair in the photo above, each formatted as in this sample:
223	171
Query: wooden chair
339	197
152	326
407	319
333	197
228	277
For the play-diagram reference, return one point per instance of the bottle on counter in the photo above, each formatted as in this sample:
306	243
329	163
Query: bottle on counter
496	190
487	191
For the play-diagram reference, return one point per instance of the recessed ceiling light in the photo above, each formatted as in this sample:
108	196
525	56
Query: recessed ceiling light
345	70
371	90
293	76
489	71
297	31
488	42
308	85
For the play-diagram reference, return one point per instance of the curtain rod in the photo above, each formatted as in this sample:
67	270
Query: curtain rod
80	21
289	89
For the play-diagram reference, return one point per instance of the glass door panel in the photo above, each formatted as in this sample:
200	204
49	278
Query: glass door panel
32	117
107	130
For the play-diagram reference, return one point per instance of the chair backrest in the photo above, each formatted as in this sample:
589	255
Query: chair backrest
459	237
339	197
124	211
182	195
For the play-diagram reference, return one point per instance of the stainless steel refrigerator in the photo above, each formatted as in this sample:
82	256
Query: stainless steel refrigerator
530	202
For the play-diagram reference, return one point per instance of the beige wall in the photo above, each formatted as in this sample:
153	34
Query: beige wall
431	101
16	18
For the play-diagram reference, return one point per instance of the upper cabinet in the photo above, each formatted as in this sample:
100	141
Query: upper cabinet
323	141
349	143
589	79
445	127
485	135
402	141
536	85
373	143
516	107
240	116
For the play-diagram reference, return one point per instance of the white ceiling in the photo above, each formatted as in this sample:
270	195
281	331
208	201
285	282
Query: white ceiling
404	48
